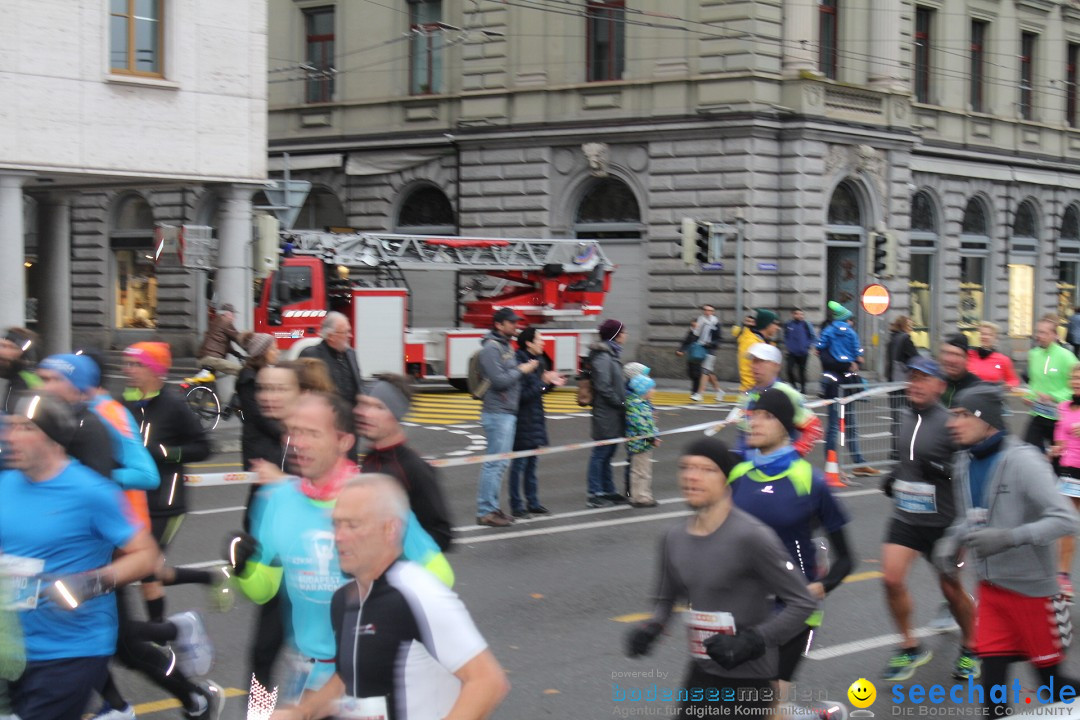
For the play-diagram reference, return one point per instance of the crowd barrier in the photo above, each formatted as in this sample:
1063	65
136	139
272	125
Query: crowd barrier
865	403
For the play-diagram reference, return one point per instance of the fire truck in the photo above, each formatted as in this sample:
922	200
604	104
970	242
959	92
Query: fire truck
559	284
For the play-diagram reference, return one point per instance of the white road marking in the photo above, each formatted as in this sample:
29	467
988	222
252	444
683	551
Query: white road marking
857	646
579	526
214	511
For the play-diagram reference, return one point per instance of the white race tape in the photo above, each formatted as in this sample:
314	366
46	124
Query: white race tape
712	427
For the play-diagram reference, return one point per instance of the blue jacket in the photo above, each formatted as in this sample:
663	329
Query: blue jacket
798	336
531	430
841	342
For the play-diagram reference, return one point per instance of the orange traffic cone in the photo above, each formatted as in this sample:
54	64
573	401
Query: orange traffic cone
832	471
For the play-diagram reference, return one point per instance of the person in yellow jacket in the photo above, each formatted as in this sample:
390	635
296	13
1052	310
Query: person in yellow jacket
761	330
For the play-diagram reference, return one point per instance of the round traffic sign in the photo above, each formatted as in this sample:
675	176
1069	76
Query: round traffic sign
875	299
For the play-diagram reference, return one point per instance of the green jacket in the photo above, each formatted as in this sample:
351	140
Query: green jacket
1048	372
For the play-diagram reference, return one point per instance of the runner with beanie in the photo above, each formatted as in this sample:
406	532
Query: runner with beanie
1009	513
954	356
69	378
735	629
784	491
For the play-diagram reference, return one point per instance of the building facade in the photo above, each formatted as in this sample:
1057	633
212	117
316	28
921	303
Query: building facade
950	125
117	116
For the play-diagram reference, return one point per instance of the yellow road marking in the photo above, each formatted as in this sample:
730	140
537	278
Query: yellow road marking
173	703
641	617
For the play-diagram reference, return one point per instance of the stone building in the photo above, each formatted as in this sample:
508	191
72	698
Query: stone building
949	125
116	117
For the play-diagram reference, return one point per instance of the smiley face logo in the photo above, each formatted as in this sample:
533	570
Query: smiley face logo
862	693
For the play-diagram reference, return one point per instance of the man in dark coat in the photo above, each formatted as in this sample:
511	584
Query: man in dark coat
608	412
340	359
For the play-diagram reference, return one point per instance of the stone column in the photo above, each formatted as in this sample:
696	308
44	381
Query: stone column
12	250
233	281
54	240
885	72
800	38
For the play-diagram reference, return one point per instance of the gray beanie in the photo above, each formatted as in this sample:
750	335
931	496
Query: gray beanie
984	401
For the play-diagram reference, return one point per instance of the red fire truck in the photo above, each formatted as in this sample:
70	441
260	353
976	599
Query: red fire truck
557	283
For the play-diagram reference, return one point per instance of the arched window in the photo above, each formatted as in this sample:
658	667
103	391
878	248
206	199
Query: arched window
924	242
608	209
1068	259
322	210
1023	254
427	210
131	236
974	263
845	234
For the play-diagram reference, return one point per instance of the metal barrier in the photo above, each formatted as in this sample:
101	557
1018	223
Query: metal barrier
866	422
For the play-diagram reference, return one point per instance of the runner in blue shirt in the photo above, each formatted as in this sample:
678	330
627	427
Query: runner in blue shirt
786	493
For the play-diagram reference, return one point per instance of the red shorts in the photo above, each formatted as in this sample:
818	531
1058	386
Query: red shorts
1008	623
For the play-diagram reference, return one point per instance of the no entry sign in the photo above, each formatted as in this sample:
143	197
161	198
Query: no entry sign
875	299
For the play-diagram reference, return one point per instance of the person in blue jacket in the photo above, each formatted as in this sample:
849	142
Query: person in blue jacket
799	337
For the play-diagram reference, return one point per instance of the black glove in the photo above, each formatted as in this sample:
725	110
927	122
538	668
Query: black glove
70	591
640	639
239	547
886	485
730	651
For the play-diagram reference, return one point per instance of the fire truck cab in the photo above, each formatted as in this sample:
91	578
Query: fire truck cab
559	284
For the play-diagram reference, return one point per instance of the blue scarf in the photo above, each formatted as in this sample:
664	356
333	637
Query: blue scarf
984	458
775	462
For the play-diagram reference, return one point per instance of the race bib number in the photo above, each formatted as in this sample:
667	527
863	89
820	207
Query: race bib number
978	517
367	708
1069	486
915	497
703	625
22	578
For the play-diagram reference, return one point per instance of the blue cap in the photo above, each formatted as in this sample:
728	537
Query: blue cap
79	370
927	366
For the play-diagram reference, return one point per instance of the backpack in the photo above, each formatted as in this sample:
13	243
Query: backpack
478	384
584	383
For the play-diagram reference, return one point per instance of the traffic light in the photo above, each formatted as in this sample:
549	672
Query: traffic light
884	254
702	242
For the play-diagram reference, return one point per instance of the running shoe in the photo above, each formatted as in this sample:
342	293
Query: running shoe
598	501
213	702
903	663
1065	583
967	665
108	713
865	471
696	397
194	651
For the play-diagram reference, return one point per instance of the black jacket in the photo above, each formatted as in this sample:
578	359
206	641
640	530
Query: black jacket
531	430
344	370
901	351
166	421
92	445
260	437
952	387
420	481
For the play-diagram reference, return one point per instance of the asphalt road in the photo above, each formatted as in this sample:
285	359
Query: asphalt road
554	597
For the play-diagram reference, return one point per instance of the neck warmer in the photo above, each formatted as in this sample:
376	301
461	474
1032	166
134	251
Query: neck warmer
986	352
341	472
989	446
777	461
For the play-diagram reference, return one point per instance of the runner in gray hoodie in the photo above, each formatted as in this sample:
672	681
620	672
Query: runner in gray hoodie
1009	516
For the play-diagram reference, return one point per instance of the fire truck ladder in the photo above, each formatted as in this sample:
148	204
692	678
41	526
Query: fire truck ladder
434	252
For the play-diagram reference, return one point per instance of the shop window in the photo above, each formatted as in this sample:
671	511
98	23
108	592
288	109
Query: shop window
1023	252
136	286
924	241
1068	260
974	263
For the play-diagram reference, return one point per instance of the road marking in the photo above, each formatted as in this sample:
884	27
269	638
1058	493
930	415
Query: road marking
857	646
215	465
172	703
868	575
579	526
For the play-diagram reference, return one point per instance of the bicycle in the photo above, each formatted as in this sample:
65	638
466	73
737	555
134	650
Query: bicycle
201	394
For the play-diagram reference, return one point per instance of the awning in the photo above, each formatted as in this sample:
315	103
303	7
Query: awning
390	161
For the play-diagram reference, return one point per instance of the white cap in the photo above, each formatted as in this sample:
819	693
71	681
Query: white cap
764	351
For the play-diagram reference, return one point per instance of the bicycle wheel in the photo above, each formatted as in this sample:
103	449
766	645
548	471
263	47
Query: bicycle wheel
205	404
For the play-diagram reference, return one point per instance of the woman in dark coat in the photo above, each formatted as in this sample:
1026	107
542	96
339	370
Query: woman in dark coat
531	431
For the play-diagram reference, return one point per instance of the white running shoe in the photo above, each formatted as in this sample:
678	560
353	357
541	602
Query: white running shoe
194	651
128	713
696	397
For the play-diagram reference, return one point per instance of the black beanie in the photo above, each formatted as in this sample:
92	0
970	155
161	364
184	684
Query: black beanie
777	403
959	340
52	416
714	449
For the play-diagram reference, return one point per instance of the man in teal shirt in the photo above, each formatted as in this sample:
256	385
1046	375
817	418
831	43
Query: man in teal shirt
1049	366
